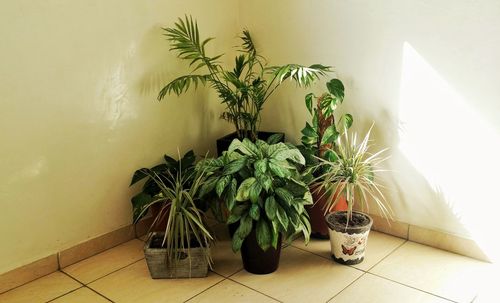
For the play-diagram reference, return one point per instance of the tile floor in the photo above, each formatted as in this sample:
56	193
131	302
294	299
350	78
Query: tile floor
394	270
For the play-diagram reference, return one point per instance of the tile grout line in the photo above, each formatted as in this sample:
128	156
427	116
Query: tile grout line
64	294
253	289
211	286
364	273
412	287
98	293
386	256
85	285
109	273
21	285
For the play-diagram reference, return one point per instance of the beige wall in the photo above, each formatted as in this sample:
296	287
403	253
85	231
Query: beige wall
426	72
78	84
78	112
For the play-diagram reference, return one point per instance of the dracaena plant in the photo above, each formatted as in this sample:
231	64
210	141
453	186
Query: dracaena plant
261	188
353	174
319	138
244	88
163	171
178	195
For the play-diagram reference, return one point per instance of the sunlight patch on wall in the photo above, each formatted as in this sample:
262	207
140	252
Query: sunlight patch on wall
451	145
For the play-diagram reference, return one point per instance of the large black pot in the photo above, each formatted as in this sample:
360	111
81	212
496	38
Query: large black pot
224	142
257	261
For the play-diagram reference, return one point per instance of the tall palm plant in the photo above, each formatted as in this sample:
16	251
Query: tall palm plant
245	88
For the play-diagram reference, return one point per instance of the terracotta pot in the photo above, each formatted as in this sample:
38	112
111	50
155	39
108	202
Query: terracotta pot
319	228
348	243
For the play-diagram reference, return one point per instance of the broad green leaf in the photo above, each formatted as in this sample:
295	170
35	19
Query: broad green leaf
348	120
236	243
284	195
275	138
230	195
274	233
265	181
238	145
254	192
208	185
309	99
336	88
261	165
278	170
221	184
282	217
245	227
255	212
290	154
271	207
331	134
309	131
243	193
234	166
139	202
233	218
249	145
263	233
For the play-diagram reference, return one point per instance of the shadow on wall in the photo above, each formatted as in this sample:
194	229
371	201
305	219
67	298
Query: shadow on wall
451	145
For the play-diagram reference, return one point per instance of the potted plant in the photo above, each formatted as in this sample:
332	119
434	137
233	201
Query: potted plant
243	89
318	141
150	190
183	248
353	175
264	194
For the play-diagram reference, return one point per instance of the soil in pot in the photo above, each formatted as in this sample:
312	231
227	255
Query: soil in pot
224	142
319	228
348	239
257	261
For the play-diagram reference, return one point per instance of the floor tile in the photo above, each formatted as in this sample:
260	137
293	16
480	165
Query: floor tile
228	292
106	262
82	295
134	284
372	289
41	290
301	277
436	271
226	262
379	245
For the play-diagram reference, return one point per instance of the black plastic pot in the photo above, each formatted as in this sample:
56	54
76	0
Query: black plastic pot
257	261
224	142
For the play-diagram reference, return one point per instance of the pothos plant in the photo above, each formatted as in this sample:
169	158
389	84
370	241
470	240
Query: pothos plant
319	138
261	188
243	89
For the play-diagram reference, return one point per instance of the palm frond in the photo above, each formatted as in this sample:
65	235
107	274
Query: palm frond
302	75
181	84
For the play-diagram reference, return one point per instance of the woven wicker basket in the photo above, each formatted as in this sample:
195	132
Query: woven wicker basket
160	268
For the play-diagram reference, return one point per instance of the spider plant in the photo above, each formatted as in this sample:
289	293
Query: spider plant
353	174
243	89
179	197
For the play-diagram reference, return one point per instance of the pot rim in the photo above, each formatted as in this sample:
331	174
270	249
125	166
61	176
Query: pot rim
337	226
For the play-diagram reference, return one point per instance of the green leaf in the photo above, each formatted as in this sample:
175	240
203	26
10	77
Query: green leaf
208	185
254	192
243	193
274	234
275	138
292	154
284	195
261	165
265	180
221	184
336	88
245	227
230	195
309	131
331	134
249	145
271	207
233	218
309	99
255	212
278	170
282	217
263	233
139	202
236	243
234	166
138	176
238	145
348	120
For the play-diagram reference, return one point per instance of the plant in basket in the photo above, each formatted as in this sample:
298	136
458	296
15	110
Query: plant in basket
264	194
353	175
182	248
319	141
